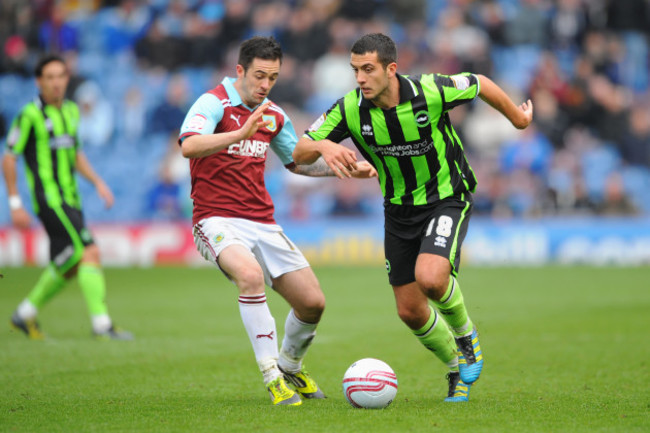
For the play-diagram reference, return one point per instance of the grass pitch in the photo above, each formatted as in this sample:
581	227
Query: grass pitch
566	350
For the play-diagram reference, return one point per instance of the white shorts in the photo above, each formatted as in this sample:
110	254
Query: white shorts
272	249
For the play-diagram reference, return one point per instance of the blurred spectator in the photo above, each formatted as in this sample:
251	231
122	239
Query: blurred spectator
635	143
15	57
97	120
131	120
169	114
348	200
57	35
167	199
529	24
125	25
615	200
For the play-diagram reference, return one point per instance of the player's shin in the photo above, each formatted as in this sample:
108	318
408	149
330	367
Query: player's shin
260	326
93	286
452	308
298	336
436	336
48	285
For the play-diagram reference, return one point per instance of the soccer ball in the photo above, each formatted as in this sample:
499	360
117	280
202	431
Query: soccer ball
370	384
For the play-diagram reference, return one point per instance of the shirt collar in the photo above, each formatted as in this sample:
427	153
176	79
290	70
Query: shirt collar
233	94
407	91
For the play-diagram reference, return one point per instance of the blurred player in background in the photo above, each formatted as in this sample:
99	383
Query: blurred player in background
45	134
400	124
226	135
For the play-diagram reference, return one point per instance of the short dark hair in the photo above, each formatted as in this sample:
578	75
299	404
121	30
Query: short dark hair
379	43
261	47
44	61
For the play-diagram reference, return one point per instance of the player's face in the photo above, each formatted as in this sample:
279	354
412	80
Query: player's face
371	76
256	82
53	82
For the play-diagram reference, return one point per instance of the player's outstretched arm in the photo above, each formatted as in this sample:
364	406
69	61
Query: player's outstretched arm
341	160
520	116
198	146
86	170
319	168
19	216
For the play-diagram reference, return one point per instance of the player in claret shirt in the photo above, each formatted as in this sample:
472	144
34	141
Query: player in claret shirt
226	135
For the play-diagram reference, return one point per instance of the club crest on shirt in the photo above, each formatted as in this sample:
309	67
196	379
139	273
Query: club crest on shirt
422	119
273	125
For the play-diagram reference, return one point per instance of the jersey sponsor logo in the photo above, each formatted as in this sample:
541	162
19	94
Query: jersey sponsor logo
461	82
254	148
62	142
422	119
408	149
366	130
273	126
197	122
317	124
236	119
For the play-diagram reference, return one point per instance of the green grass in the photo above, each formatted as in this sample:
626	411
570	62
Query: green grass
566	350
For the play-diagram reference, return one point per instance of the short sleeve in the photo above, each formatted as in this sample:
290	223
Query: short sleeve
457	89
285	141
331	125
203	117
19	132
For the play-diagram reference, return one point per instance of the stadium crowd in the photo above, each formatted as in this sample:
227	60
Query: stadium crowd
137	65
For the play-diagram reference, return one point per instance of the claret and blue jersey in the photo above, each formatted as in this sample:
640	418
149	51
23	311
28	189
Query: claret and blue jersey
230	183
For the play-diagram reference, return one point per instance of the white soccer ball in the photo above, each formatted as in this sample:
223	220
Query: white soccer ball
370	384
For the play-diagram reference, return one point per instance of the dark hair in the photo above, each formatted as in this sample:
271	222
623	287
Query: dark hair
379	43
266	48
44	61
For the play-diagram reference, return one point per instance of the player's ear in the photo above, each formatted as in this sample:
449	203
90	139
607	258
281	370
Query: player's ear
240	71
391	69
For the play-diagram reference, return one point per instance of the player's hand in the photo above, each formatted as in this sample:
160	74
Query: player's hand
340	159
255	122
527	110
364	170
20	218
105	194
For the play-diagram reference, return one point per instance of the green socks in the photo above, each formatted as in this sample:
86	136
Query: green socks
436	336
452	307
47	286
92	283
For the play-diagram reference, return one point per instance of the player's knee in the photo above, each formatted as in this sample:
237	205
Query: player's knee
91	254
250	281
434	285
315	307
411	315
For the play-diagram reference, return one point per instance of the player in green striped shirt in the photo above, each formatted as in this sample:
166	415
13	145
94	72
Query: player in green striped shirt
45	134
401	125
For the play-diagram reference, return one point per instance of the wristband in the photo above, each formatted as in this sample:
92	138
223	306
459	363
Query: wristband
15	202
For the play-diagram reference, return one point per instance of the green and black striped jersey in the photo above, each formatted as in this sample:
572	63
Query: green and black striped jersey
417	153
47	138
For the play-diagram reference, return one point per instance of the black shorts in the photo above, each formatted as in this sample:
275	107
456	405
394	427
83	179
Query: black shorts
411	230
68	234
